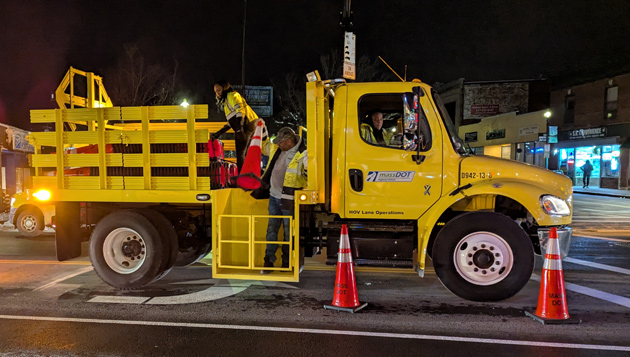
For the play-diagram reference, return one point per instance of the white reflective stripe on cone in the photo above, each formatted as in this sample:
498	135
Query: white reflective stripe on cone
553	246
552	264
344	258
344	242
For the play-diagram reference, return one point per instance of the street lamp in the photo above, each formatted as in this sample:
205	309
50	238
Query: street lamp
185	103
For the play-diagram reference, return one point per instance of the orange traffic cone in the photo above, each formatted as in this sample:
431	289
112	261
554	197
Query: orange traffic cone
345	297
552	299
249	177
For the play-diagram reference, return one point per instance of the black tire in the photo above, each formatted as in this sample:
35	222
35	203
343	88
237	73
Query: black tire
123	234
490	242
30	222
193	254
169	240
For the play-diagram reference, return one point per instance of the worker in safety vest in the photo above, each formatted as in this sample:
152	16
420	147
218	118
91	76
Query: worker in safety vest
240	117
285	173
372	131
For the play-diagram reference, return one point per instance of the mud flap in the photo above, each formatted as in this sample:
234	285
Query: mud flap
68	230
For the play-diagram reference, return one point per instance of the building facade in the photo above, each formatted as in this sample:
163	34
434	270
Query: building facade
593	120
501	118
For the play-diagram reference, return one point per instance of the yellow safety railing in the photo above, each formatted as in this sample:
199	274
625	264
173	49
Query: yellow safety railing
124	127
240	248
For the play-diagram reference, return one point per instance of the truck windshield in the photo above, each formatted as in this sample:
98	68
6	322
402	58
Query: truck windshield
458	143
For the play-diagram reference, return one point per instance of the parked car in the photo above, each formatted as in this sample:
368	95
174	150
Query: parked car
29	215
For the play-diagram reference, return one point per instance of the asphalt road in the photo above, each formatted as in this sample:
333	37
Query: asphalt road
52	308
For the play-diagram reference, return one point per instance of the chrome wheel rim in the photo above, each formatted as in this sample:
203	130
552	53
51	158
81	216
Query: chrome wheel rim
124	250
29	223
483	258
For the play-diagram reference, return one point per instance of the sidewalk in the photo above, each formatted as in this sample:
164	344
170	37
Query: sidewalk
602	191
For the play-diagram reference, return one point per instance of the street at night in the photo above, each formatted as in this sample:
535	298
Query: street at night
314	178
53	308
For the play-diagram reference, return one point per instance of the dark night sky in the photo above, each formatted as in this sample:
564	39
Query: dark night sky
437	40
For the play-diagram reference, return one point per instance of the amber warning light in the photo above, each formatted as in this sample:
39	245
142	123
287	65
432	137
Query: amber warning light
42	195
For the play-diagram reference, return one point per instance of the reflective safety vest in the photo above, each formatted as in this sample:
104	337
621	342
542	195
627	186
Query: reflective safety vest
295	178
367	134
236	106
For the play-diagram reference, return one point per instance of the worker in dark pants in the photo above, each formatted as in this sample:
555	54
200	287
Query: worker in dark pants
240	117
285	174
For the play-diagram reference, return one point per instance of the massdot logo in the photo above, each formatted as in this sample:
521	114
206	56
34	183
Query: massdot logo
390	176
371	176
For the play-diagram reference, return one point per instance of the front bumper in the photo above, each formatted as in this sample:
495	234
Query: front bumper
12	215
564	239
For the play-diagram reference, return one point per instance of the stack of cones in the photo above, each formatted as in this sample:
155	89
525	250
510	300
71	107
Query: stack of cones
249	177
552	299
345	297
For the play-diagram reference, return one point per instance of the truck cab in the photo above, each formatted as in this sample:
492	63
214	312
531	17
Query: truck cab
480	219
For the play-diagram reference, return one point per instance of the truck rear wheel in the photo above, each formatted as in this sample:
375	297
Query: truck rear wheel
126	250
483	256
169	239
30	222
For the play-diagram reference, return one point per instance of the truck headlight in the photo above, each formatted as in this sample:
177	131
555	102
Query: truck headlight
554	206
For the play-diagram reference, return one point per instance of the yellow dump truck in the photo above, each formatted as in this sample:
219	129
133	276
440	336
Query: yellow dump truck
152	201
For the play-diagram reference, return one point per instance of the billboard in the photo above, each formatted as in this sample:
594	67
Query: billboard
488	99
259	98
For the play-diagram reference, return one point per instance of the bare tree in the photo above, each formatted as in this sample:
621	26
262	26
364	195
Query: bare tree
371	71
291	96
331	64
291	92
135	82
367	70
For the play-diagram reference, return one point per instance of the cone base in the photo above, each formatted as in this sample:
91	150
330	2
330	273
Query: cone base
346	309
545	321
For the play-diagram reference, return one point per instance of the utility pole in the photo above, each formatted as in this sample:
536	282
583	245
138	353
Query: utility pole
349	65
243	49
346	16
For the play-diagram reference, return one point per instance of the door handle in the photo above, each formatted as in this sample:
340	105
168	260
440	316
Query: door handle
356	179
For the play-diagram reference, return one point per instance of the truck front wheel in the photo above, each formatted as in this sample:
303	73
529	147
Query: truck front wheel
483	256
30	222
126	250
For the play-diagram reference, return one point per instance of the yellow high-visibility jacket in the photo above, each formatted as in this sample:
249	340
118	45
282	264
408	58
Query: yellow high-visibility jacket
295	177
367	134
239	114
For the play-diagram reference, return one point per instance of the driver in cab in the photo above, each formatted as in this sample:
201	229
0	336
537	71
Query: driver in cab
372	130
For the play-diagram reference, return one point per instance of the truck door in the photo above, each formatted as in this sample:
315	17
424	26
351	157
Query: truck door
383	179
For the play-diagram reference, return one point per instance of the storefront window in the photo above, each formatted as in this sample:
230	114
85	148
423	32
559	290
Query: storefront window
610	161
566	161
593	154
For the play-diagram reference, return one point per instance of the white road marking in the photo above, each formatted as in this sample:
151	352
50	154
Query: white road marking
597	265
222	288
600	210
211	293
600	219
234	282
324	332
119	299
615	299
601	238
79	272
